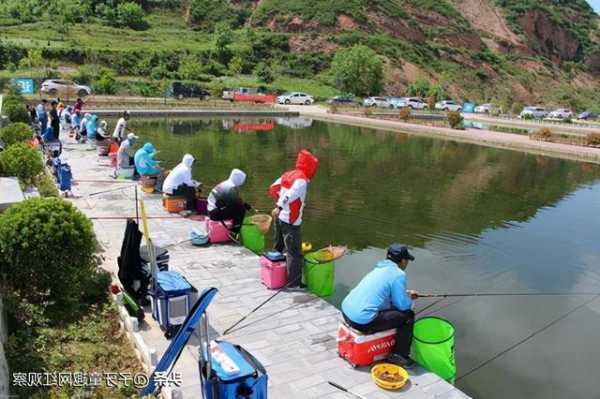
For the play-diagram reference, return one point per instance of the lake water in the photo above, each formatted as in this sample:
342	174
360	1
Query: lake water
478	220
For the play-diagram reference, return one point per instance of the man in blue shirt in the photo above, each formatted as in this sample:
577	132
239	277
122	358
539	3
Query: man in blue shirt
381	302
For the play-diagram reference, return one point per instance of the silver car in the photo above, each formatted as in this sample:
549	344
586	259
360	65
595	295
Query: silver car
534	112
448	105
381	102
561	113
65	87
295	98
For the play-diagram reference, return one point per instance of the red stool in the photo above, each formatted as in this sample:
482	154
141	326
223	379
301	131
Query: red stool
361	349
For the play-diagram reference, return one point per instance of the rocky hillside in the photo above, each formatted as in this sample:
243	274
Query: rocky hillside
468	45
487	50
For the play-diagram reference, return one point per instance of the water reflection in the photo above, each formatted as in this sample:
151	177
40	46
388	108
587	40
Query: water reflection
479	219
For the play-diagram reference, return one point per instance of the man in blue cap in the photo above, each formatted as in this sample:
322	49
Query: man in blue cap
381	302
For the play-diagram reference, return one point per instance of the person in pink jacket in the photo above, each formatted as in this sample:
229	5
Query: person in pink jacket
289	192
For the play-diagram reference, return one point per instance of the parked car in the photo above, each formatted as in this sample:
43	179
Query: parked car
244	94
488	109
416	103
341	100
381	102
587	116
448	105
533	113
397	102
295	98
60	86
561	113
182	90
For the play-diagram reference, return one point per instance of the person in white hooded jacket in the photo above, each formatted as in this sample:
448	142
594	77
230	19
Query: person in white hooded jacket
180	183
225	202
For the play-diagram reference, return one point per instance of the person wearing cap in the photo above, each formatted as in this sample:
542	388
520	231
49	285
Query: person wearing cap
381	302
180	183
125	154
225	202
121	128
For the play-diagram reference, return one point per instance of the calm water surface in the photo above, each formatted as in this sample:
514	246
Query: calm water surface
478	220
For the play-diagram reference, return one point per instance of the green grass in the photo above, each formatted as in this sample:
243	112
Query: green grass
283	84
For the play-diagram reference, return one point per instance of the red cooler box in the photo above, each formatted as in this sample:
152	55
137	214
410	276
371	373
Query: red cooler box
364	349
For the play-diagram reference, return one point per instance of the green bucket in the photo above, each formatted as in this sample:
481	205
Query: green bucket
251	237
433	346
319	276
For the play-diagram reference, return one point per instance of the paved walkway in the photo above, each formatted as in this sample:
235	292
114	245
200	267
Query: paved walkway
293	336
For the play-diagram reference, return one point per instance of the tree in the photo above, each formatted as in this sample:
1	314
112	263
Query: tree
357	70
236	65
264	72
190	68
216	88
222	37
131	15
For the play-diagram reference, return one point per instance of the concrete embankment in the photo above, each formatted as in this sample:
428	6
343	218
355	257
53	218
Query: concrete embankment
294	335
474	136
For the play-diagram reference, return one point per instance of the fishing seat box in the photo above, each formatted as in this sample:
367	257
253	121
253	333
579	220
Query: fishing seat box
273	270
361	349
174	204
217	232
235	374
171	301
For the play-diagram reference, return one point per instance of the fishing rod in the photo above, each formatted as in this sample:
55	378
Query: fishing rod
341	388
483	294
110	190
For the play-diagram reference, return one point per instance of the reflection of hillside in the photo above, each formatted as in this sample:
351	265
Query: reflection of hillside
373	187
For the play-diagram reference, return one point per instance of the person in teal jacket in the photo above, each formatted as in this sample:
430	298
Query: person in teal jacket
381	302
144	162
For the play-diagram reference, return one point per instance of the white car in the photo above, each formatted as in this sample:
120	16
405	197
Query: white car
533	113
415	103
561	113
295	98
488	109
381	102
448	105
60	86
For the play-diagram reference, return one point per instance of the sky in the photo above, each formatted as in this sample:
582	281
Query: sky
596	5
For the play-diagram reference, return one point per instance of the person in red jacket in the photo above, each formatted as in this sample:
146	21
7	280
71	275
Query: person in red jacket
289	191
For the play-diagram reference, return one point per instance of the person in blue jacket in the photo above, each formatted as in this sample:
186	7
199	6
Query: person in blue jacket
381	302
144	162
90	126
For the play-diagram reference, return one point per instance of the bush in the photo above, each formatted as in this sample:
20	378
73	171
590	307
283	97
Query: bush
16	112
528	117
592	139
216	88
131	15
106	84
236	65
190	68
22	161
333	108
46	254
16	133
264	72
455	120
516	108
357	70
543	134
404	114
46	185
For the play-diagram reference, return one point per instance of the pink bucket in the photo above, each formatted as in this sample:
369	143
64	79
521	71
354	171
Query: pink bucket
273	273
217	232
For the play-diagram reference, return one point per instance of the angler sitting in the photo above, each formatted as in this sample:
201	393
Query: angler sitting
180	183
381	302
225	202
145	164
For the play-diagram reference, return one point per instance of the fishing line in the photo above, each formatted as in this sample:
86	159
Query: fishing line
509	294
514	346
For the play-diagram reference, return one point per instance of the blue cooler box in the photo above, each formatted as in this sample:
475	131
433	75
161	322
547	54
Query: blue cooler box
171	300
249	381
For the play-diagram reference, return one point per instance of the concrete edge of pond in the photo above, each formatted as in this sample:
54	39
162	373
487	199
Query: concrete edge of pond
486	138
294	336
179	112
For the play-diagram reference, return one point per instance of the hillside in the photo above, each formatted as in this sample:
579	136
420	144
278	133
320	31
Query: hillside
486	50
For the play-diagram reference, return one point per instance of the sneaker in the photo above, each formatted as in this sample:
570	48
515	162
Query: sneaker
399	360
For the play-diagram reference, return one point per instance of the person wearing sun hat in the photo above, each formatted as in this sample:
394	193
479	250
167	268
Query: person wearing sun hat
381	302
